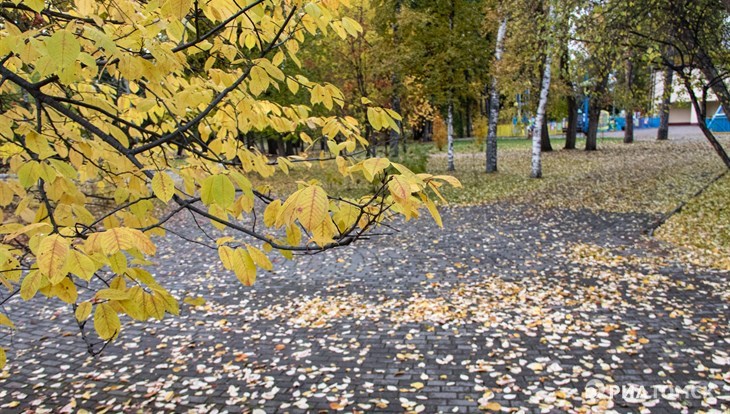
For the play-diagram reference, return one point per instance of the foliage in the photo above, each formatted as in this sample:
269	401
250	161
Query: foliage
115	90
439	132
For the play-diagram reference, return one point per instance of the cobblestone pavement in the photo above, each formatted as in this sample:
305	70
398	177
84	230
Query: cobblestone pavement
507	309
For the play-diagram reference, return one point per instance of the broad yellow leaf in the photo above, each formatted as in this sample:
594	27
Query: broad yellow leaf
80	265
52	254
259	258
106	321
271	212
176	9
31	284
153	305
163	186
63	48
400	188
309	205
65	290
112	294
36	5
3	358
373	166
83	310
218	189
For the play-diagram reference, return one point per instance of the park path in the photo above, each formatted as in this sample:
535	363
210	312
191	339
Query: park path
508	308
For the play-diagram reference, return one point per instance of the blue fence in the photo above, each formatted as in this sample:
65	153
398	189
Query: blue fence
639	123
718	124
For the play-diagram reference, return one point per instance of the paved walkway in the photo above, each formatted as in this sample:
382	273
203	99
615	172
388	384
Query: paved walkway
507	309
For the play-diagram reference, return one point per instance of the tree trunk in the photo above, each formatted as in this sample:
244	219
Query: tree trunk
663	131
494	104
629	130
395	80
594	114
467	120
572	130
716	80
540	119
701	121
370	138
395	135
545	137
273	146
450	137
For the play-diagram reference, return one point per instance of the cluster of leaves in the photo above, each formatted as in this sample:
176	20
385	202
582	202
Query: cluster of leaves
146	108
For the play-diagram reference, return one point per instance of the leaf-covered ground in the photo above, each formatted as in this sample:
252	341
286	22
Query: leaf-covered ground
523	305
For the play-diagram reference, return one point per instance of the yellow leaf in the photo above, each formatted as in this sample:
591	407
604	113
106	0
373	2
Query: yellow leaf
52	254
65	290
417	385
153	305
176	9
271	212
4	320
80	265
351	26
240	262
218	189
133	305
106	321
63	48
400	188
309	205
493	406
194	300
3	358
83	310
163	186
112	294
373	166
259	258
293	85
36	5
29	173
31	284
449	179
432	209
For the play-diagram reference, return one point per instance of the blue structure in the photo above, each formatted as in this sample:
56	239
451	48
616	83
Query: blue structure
616	123
719	121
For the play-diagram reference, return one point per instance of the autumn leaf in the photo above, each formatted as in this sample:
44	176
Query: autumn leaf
163	186
106	321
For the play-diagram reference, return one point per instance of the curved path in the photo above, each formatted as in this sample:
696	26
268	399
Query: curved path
507	309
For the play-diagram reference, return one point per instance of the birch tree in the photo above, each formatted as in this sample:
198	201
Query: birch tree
536	170
491	150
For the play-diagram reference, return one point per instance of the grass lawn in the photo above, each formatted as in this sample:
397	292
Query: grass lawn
643	177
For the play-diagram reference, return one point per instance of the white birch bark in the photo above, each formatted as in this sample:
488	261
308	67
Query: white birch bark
450	137
491	152
540	118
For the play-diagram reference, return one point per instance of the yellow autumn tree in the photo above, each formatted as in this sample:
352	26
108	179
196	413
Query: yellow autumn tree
97	97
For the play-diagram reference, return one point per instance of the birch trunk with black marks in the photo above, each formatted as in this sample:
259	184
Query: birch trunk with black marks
540	119
494	103
450	137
